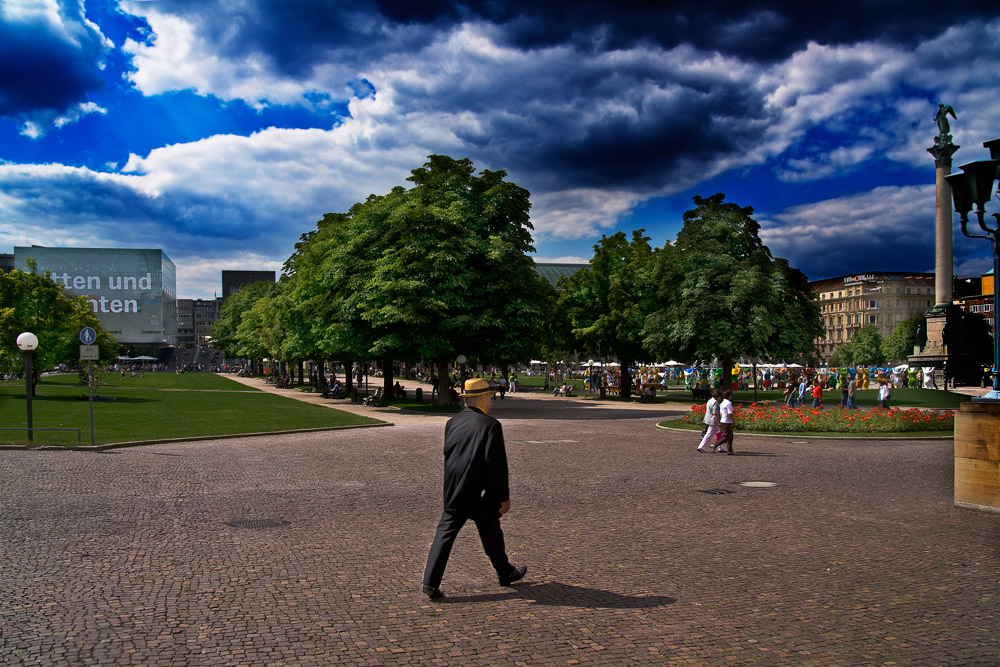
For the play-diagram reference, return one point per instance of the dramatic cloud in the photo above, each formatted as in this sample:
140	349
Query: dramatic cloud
818	117
52	58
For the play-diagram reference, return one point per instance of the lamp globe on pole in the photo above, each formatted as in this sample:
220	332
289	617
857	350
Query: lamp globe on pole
27	342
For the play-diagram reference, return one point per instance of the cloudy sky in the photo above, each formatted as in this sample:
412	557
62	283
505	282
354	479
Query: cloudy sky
220	131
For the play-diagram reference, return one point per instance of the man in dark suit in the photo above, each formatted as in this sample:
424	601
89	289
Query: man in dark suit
475	487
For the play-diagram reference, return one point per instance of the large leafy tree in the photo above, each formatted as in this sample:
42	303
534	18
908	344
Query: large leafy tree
721	295
32	302
427	273
237	332
608	304
906	335
864	349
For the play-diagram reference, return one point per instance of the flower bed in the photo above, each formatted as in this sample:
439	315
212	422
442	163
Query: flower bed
771	418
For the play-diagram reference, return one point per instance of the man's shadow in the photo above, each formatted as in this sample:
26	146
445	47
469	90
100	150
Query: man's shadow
566	595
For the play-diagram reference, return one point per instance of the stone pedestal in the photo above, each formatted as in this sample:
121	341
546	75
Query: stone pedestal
977	457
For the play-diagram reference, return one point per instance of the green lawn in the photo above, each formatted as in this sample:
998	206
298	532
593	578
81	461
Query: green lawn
157	406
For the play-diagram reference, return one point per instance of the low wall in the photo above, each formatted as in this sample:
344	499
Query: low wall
977	457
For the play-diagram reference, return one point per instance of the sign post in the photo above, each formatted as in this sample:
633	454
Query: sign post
89	352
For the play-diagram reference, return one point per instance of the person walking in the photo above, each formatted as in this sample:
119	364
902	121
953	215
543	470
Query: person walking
726	421
817	394
852	390
711	422
883	393
476	487
803	387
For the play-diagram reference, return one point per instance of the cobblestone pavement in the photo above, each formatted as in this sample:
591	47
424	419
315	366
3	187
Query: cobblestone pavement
856	557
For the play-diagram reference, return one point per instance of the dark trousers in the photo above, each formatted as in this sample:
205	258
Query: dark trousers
487	521
727	428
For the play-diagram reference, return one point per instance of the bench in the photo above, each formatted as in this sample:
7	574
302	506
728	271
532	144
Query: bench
373	400
568	391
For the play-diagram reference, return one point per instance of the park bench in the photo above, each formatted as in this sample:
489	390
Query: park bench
373	400
568	391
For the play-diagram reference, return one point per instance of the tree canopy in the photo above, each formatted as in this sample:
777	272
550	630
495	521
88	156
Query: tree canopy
607	305
864	349
428	273
33	302
722	295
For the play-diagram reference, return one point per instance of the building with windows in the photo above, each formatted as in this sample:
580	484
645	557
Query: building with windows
132	291
982	303
232	281
195	319
882	298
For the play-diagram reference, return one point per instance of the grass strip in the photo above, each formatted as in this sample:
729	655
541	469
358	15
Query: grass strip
174	409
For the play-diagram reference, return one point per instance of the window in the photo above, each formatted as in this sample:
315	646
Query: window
907	290
873	319
907	303
873	304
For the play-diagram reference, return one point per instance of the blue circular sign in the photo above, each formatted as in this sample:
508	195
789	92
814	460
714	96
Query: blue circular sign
88	336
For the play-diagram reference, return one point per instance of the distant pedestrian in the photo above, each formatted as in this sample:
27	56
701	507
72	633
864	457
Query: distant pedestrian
726	421
817	394
883	394
711	422
852	390
476	487
803	387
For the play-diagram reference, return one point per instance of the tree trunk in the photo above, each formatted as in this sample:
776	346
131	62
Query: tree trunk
387	377
301	365
443	383
348	376
726	381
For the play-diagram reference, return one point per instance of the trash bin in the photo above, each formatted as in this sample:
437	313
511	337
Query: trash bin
420	393
354	395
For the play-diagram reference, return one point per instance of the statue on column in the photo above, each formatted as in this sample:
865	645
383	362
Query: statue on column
944	127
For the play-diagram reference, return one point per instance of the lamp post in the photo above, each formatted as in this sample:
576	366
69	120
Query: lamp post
27	342
461	364
973	188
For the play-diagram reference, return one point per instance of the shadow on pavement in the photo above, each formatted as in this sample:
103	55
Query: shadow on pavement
566	595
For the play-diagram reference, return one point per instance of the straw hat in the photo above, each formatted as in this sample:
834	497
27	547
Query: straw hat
477	387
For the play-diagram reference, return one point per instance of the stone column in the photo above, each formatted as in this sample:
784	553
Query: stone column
944	265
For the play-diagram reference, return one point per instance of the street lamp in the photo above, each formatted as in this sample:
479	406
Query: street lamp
27	342
461	363
974	187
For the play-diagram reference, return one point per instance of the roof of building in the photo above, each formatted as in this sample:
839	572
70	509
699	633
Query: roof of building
553	272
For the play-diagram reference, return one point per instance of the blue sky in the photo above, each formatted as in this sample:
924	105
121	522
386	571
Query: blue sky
222	131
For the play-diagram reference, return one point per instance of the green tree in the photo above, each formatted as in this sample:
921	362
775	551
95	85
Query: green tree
33	302
898	345
234	338
608	304
722	295
864	349
427	273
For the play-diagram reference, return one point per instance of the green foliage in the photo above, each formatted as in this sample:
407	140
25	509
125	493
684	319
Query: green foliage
33	302
722	295
898	345
422	274
606	306
237	332
864	349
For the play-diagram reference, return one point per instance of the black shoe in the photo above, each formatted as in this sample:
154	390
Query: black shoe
433	593
516	574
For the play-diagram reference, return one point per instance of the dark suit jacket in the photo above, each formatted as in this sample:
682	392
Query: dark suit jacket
475	462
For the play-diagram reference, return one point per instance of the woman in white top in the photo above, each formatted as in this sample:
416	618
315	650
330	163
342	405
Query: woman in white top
726	420
883	394
711	424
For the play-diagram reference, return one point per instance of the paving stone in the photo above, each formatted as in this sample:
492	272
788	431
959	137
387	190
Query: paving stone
856	557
